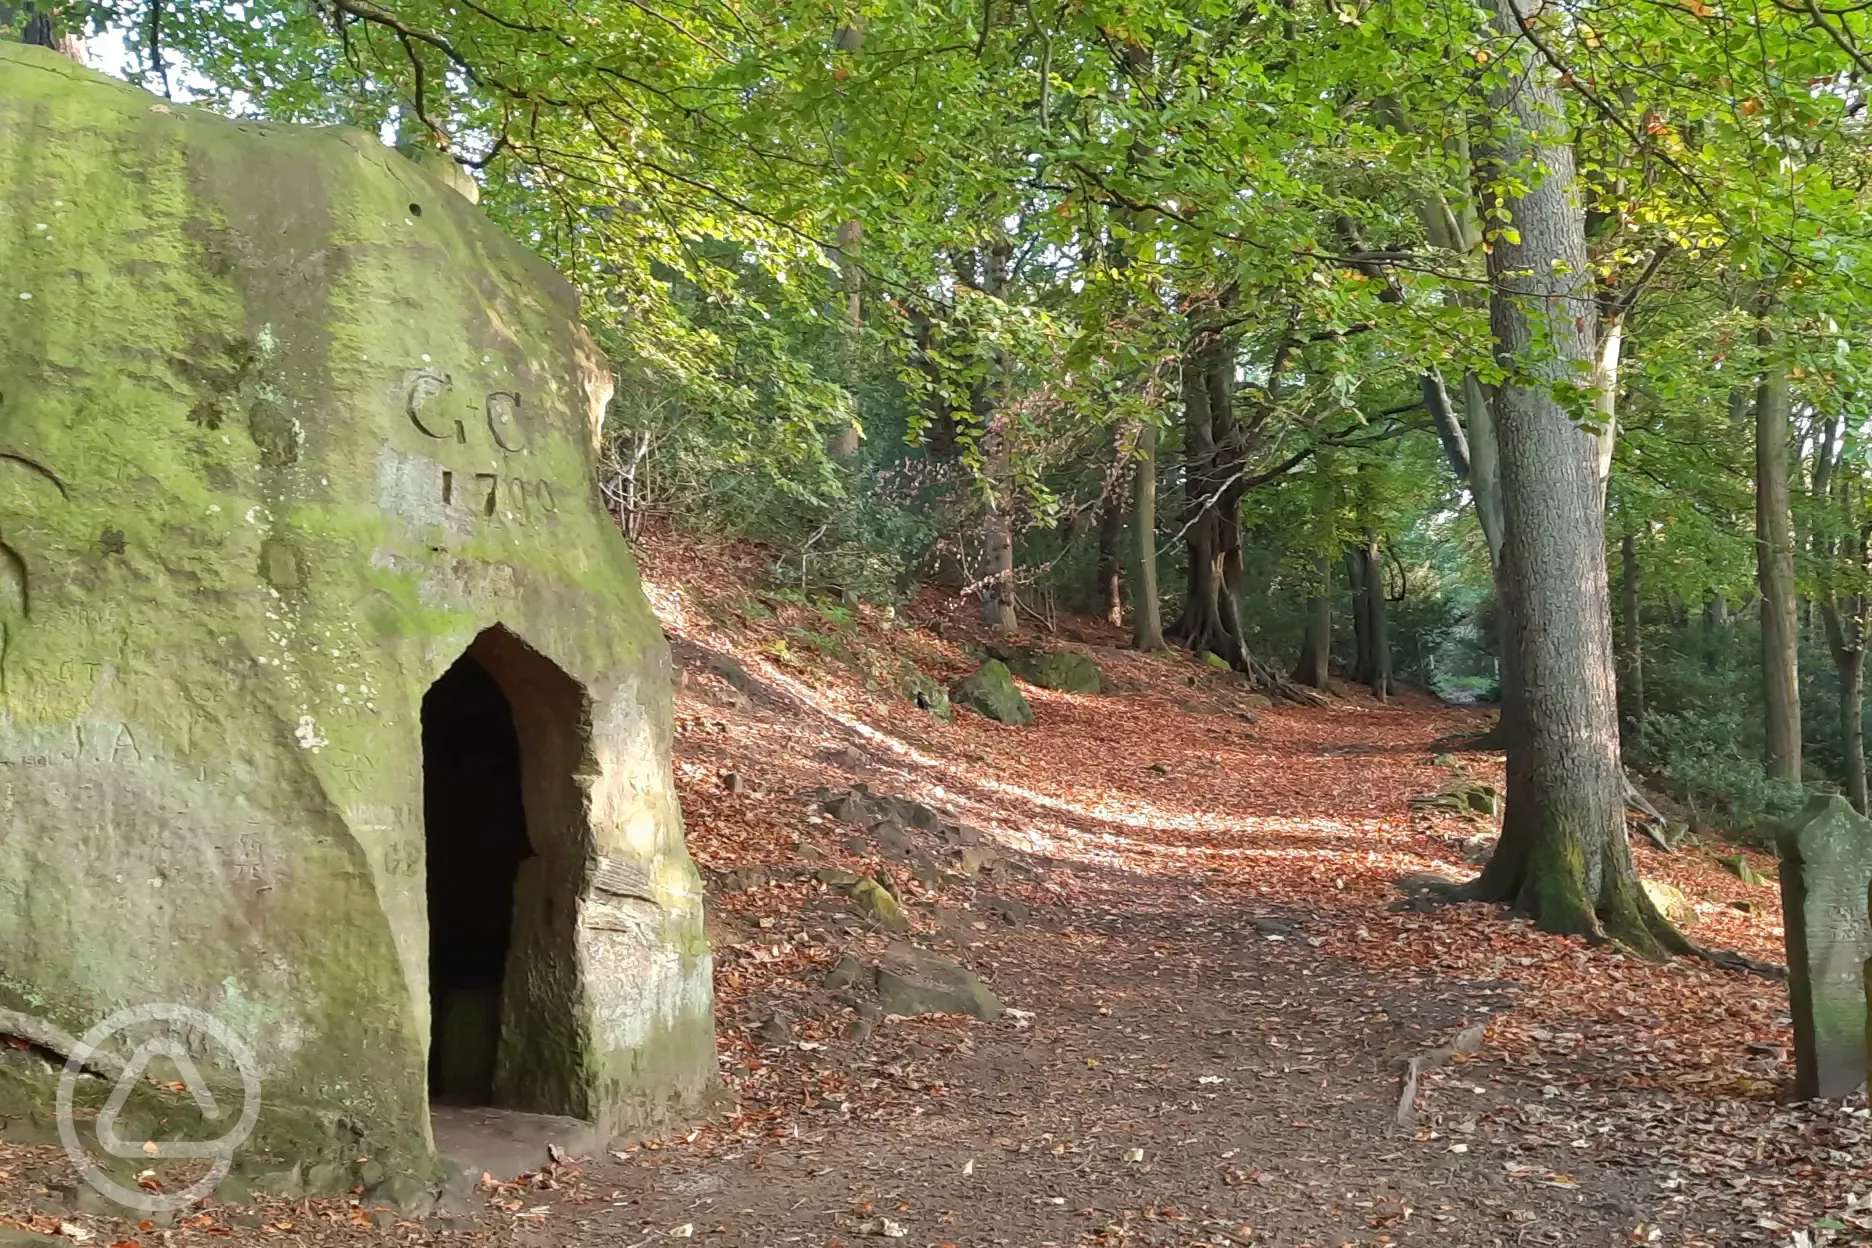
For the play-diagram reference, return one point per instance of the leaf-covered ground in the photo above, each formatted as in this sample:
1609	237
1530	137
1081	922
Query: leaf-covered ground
1213	986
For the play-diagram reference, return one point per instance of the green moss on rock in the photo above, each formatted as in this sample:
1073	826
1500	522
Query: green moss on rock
929	694
875	900
991	692
288	427
1065	670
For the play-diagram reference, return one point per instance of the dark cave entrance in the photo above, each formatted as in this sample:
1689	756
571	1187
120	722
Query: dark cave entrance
475	834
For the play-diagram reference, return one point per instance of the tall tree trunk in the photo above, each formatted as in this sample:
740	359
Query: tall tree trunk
1774	569
1715	630
36	26
1201	627
1631	656
1316	649
1228	473
850	242
1851	665
1146	607
1356	578
1842	556
997	464
1377	628
1563	857
1108	575
997	532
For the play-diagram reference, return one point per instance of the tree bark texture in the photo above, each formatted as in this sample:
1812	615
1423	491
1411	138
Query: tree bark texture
997	592
998	585
1108	571
1203	627
1227	468
1377	626
1844	558
1774	572
1563	857
1109	575
1357	574
1146	608
1851	665
1316	649
850	243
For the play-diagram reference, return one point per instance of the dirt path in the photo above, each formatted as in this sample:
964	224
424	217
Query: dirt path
1201	1065
1211	984
1221	987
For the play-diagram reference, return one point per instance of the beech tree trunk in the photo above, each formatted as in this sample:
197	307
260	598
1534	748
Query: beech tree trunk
1851	665
850	238
1202	627
1109	576
1316	648
1146	609
1356	577
1774	571
997	592
997	464
1226	470
1563	857
1377	627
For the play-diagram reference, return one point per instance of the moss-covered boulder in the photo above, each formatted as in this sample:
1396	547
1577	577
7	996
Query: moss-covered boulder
876	901
991	692
1670	901
929	695
1065	670
912	981
1742	869
328	694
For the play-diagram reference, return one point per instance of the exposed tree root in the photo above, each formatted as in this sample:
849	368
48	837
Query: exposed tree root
1494	741
1278	684
1213	636
1730	960
1639	927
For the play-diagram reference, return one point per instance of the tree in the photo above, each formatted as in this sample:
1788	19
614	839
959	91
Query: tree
1108	575
1316	649
1563	857
1843	553
1146	608
1774	554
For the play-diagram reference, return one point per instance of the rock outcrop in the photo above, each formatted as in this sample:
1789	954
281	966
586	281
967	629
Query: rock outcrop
298	540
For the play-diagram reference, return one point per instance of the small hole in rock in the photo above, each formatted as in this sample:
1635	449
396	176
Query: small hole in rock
415	210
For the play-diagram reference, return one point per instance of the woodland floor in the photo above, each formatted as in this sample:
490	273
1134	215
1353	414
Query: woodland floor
1212	991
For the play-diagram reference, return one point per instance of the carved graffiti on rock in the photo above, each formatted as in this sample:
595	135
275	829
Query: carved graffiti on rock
503	420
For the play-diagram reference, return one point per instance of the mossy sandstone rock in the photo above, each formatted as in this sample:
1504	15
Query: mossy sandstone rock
1670	901
991	692
876	901
1826	869
912	980
1064	670
287	428
928	693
